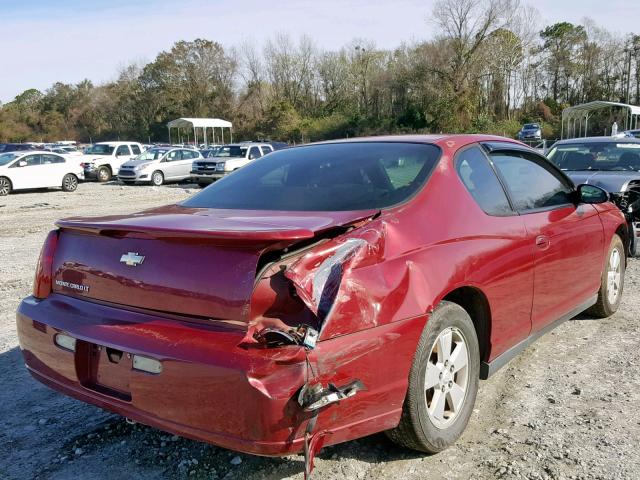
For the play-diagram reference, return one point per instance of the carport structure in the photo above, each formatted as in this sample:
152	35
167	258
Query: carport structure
203	124
576	118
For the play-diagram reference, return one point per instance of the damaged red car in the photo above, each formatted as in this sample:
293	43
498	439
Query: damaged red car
324	292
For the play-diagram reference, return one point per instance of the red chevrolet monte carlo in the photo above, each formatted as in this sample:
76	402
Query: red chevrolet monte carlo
324	292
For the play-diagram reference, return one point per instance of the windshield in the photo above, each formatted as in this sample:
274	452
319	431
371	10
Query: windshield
151	154
530	126
231	151
610	156
99	149
209	153
7	158
326	177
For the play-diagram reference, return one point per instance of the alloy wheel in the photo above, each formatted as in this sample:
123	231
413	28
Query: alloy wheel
447	377
157	179
70	182
5	186
614	276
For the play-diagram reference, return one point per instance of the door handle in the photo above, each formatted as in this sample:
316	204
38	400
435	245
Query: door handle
542	242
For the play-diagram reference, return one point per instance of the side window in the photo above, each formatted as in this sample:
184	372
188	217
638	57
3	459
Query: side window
33	160
122	150
135	149
47	159
189	154
266	149
254	152
530	184
174	156
481	181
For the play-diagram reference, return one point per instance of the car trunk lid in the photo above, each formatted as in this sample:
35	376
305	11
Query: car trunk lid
194	262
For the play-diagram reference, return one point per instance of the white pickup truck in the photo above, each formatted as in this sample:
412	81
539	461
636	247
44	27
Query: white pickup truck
102	160
227	159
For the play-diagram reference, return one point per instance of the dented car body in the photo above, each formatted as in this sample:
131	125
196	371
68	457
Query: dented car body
276	330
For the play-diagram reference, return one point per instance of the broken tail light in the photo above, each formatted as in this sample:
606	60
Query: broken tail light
44	274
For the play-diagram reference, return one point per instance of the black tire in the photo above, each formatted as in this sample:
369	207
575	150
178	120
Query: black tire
104	174
604	307
416	429
69	183
5	186
157	178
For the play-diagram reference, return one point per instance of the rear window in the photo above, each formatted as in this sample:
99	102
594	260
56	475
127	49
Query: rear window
328	177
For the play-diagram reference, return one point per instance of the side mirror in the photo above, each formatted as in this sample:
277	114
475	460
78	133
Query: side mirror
22	163
591	194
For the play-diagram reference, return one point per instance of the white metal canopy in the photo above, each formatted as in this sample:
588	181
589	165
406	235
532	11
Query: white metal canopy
577	117
204	124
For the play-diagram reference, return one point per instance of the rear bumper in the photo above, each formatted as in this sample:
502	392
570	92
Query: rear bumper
210	389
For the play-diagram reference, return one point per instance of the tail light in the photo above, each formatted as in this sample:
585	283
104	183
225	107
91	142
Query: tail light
44	274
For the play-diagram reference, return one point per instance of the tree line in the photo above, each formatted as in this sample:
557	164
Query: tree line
487	68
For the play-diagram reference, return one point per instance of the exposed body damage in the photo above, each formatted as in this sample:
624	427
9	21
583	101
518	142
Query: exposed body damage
281	331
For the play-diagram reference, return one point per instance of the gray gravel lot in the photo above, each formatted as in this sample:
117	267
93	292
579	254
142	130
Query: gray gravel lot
567	407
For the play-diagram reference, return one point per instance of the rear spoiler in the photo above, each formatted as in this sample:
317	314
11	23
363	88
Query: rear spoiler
217	235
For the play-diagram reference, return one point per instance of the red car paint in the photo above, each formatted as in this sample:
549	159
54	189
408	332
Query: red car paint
195	305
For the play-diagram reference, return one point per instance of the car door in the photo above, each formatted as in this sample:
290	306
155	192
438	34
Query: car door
28	172
55	167
183	166
171	164
567	239
122	154
254	153
508	281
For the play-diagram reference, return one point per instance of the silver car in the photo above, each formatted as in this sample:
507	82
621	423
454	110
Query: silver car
159	165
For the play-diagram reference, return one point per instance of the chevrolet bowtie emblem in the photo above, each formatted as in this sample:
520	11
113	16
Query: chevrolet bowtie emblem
132	259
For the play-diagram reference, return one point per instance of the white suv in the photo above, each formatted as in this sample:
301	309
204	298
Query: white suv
227	159
102	160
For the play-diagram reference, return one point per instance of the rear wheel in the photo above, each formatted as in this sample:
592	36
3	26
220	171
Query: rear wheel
104	174
443	382
5	186
69	183
157	178
612	281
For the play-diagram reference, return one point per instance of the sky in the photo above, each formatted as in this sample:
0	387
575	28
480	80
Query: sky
44	41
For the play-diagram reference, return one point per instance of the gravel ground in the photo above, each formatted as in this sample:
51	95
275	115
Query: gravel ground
567	407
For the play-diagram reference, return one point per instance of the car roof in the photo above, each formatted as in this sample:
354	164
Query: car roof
598	140
442	140
117	143
31	152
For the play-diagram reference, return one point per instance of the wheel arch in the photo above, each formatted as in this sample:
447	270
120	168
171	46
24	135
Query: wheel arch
476	304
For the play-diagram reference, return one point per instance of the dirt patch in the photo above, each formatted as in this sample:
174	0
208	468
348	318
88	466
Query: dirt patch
566	408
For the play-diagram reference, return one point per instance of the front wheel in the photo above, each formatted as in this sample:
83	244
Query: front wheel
104	174
5	186
69	183
443	382
611	282
157	178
